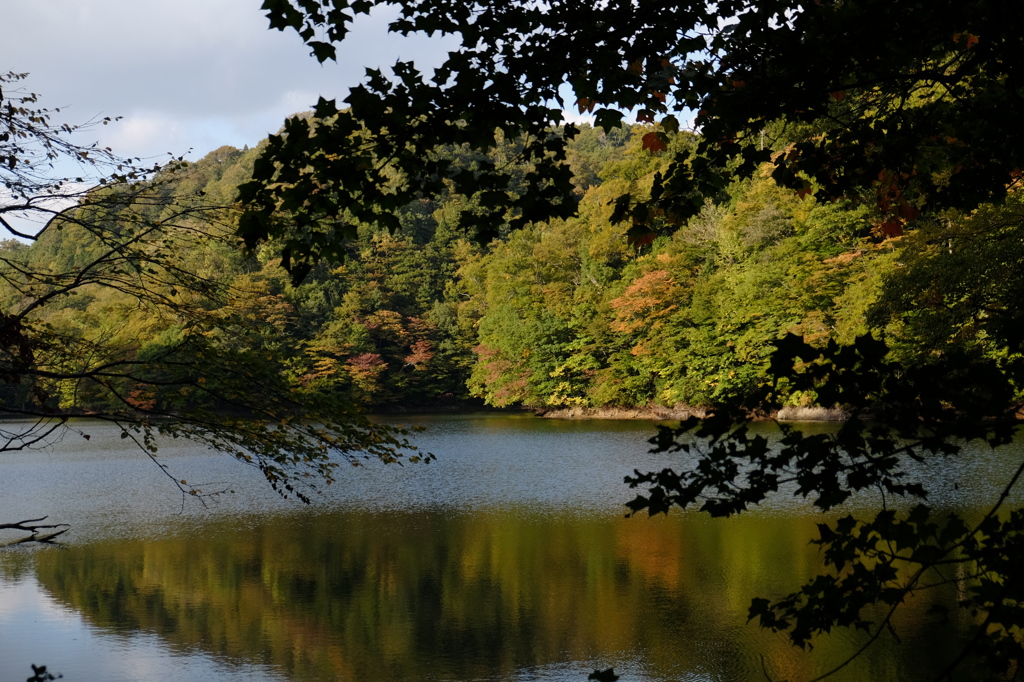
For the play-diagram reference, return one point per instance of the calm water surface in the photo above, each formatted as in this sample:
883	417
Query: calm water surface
507	559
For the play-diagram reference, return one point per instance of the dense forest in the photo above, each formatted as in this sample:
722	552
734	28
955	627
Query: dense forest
567	312
842	232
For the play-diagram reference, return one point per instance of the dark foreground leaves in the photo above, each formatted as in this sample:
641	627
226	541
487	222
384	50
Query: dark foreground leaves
922	416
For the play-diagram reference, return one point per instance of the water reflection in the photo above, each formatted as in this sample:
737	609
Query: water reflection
507	559
486	596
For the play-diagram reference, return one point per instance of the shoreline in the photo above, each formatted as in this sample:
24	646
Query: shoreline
642	413
647	412
679	413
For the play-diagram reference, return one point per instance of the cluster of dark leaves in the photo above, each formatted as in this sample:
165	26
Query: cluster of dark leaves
910	106
901	416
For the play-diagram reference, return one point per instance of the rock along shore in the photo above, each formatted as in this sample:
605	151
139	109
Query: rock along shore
648	412
678	413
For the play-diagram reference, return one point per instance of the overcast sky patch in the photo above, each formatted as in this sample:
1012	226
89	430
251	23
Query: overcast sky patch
185	74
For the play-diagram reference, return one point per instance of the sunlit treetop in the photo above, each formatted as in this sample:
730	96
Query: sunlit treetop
912	106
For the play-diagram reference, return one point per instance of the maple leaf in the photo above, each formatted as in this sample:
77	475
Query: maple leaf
655	142
640	235
907	212
969	38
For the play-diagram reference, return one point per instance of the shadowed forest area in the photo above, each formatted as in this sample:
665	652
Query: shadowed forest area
563	312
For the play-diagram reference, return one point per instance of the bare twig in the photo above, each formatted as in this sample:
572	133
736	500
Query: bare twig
35	529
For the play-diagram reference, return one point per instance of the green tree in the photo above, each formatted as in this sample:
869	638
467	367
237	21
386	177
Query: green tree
112	314
942	81
904	109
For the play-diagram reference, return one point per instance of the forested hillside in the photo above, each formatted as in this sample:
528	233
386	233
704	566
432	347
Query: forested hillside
570	312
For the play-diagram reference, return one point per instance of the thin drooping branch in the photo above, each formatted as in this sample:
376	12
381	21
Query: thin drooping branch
38	433
158	344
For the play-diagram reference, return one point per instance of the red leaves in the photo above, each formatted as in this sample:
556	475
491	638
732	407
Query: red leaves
893	227
366	361
907	211
655	142
141	398
969	38
650	297
420	353
893	203
585	104
640	235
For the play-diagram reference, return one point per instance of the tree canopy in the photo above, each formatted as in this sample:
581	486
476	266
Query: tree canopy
907	113
911	106
118	311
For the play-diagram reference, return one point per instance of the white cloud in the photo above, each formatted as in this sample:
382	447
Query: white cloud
181	72
147	131
44	208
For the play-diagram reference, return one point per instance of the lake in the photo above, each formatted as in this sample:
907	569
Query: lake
508	558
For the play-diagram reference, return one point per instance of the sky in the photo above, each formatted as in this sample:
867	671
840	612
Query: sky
183	74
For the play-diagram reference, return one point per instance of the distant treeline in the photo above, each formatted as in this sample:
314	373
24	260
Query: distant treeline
569	313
